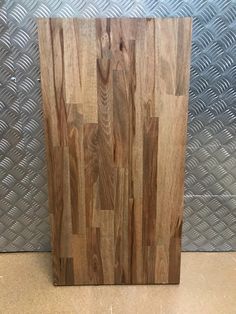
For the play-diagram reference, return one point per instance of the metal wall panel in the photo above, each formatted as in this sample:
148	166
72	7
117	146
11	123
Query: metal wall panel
210	196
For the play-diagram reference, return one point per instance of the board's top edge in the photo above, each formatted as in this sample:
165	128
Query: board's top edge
117	18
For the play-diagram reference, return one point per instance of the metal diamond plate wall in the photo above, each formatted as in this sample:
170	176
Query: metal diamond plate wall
210	196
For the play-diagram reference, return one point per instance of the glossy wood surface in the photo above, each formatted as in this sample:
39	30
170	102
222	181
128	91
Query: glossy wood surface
115	94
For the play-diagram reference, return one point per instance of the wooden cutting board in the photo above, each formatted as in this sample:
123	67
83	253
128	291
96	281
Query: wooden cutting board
115	94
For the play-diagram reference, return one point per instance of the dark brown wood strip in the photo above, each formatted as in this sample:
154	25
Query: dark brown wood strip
120	119
121	229
51	36
131	78
61	221
144	92
95	259
150	143
51	48
77	180
50	161
95	271
62	209
57	37
66	271
105	134
132	209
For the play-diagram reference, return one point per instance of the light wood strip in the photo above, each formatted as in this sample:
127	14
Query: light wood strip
184	33
166	55
103	36
87	50
80	66
107	245
170	169
72	63
80	265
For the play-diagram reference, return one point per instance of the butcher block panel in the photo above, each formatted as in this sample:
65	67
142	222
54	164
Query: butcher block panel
115	98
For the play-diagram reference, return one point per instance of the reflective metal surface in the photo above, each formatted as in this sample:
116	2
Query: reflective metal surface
210	196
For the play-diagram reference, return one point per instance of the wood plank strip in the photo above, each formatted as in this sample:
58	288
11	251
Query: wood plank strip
77	180
170	169
66	271
80	264
103	35
62	209
121	229
120	119
149	66
61	222
95	257
96	204
105	134
175	250
178	180
51	48
136	156
57	36
184	34
172	79
162	261
166	50
143	97
131	77
150	143
72	63
172	62
80	66
86	42
107	245
123	31
95	270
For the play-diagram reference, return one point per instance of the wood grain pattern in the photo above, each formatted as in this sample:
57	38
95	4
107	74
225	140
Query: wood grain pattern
115	96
